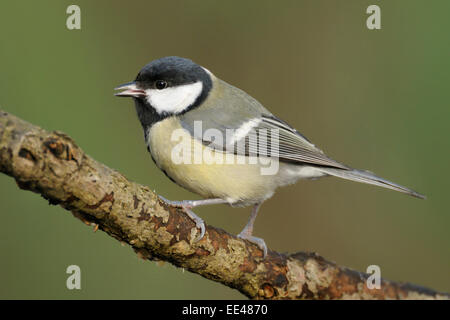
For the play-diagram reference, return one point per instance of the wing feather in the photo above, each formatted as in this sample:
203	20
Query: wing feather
255	130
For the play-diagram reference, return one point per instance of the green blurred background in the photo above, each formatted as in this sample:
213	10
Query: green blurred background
376	100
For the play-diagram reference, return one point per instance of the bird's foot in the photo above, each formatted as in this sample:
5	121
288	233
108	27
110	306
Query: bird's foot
187	205
258	241
199	223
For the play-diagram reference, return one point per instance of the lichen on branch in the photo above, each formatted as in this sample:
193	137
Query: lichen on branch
52	165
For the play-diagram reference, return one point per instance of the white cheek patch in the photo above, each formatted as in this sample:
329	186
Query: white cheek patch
174	99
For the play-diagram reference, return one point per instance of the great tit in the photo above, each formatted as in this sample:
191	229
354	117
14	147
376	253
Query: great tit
227	139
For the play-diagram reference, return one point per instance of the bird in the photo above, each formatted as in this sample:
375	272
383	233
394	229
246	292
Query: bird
219	142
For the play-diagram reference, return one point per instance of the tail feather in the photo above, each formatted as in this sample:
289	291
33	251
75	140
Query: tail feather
370	178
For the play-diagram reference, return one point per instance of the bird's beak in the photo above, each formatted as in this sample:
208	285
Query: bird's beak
130	90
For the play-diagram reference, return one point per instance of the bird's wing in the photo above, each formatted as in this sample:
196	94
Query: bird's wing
292	145
234	122
255	134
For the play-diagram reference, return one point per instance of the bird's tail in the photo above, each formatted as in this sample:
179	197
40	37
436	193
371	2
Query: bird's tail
370	178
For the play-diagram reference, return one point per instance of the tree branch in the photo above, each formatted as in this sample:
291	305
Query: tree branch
51	164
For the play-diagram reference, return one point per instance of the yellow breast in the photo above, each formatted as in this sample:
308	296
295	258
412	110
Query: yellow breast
200	169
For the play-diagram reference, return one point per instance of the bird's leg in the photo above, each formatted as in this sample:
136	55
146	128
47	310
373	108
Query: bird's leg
187	205
246	233
192	203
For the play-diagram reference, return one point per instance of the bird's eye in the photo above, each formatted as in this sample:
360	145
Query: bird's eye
160	84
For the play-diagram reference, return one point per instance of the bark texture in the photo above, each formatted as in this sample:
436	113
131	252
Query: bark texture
51	164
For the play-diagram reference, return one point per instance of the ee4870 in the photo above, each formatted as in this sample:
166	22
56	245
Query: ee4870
249	309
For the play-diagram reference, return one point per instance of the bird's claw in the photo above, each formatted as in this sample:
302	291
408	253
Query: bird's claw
186	206
179	204
199	223
255	240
